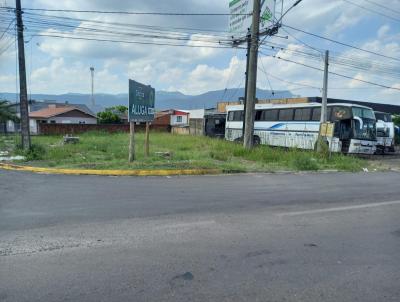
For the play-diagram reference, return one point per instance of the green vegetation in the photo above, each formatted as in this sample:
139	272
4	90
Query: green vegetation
110	151
112	115
7	112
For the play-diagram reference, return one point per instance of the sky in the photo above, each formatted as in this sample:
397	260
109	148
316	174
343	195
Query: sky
61	65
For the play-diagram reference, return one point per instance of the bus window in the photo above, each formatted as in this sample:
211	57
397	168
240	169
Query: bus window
230	115
270	115
302	114
286	114
316	114
238	116
385	117
363	113
258	115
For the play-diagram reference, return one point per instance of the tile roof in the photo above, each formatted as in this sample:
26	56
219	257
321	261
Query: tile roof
53	111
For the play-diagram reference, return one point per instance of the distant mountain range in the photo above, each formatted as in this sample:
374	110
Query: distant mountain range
164	99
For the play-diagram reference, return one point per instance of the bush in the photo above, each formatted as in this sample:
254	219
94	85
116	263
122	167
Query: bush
35	152
219	156
305	162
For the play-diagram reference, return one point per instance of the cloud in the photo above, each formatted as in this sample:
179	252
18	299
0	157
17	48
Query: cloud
59	77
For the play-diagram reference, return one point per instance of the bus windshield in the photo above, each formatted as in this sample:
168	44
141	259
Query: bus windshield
364	128
363	113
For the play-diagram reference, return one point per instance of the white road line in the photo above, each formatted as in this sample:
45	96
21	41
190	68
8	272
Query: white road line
344	208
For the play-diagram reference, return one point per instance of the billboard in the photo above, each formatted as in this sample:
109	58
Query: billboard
141	102
241	15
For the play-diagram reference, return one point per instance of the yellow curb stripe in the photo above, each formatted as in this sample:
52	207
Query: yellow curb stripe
159	172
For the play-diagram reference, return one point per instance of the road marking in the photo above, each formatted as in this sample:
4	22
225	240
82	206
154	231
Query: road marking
344	208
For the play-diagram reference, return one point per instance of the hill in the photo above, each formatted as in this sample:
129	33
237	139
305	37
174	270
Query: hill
164	99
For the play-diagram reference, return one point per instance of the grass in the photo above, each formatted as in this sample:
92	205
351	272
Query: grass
98	150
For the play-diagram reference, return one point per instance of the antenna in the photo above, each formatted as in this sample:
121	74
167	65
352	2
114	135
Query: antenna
92	75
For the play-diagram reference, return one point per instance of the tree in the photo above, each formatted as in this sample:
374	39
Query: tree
396	120
7	113
112	115
108	117
120	108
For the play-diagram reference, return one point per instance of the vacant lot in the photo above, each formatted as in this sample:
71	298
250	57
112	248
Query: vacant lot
110	151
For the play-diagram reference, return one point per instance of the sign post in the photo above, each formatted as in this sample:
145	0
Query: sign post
131	141
141	109
146	140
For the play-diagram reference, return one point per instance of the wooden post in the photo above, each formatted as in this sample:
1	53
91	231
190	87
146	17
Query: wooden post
131	141
146	142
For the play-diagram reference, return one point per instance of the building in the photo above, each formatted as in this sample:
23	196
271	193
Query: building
53	113
59	115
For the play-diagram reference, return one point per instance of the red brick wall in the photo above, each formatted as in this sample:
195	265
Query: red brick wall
49	129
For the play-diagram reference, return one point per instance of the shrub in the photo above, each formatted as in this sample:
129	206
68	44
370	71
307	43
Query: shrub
305	162
219	156
35	152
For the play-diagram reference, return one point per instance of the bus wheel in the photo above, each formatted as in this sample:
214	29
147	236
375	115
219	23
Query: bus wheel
256	140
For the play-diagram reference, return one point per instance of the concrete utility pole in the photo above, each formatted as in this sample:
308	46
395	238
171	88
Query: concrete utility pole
247	77
325	90
23	91
92	75
252	77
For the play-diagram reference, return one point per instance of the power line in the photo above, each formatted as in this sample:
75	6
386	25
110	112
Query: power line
341	43
372	11
130	42
50	17
7	46
129	13
382	6
347	62
266	75
334	73
6	30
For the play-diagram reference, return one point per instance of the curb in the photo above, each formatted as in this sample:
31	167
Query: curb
161	172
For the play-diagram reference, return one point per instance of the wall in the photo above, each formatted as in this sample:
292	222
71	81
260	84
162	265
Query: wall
180	130
33	126
196	113
196	126
73	120
62	129
184	120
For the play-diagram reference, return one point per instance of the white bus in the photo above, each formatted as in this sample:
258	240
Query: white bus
384	132
297	126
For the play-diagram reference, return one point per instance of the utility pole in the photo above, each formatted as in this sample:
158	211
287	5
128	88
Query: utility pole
324	102
245	84
23	91
252	77
92	75
325	89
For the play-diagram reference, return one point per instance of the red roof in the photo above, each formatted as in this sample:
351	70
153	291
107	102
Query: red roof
53	111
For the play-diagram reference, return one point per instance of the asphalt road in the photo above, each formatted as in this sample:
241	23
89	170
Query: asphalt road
295	237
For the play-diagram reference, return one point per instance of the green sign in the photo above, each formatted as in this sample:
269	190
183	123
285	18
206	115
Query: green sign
241	15
141	102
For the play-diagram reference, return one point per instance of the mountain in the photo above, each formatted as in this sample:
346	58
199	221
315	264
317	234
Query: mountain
164	99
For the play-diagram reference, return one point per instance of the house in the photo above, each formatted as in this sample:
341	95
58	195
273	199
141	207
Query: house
59	115
35	106
173	116
179	118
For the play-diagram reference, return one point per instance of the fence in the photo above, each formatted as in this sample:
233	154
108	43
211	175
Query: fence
62	129
196	126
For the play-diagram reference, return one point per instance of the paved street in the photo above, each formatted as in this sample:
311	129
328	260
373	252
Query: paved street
261	237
